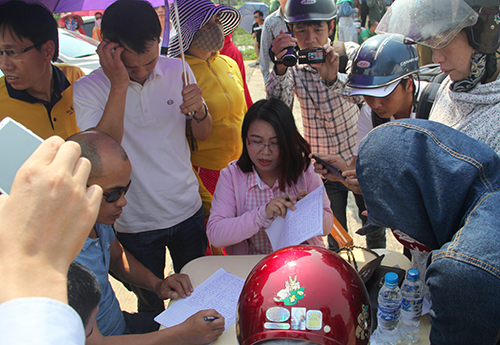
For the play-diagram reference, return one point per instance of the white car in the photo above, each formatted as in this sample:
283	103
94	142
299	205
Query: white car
77	49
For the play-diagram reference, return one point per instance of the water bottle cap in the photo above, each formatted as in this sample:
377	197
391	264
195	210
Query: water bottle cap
413	274
391	279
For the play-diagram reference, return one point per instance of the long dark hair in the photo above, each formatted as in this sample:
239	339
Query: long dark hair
294	150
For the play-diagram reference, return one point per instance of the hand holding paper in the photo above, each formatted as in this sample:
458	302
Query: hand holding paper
300	225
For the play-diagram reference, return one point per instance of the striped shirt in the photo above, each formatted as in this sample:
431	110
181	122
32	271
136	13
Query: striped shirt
259	194
329	119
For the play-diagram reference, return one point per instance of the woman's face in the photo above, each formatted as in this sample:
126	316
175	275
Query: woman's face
263	148
455	58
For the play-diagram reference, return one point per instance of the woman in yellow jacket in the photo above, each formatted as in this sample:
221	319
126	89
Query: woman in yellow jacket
203	26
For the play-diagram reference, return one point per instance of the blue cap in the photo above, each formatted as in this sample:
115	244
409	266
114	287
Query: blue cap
413	274
391	279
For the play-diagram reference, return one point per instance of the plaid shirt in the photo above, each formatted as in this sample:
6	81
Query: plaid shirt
258	194
329	117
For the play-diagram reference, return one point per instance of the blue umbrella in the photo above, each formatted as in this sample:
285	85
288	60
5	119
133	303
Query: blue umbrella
247	10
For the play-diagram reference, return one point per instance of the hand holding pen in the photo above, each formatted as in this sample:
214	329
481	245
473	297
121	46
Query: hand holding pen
203	327
278	206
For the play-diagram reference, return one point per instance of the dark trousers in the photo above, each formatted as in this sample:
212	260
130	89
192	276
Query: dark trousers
185	241
140	323
364	14
337	193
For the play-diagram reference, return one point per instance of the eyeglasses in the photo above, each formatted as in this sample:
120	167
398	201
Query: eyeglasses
259	146
115	195
16	53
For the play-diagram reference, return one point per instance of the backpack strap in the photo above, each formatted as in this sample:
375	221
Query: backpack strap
426	100
339	48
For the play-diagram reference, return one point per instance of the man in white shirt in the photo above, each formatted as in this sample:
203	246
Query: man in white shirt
140	99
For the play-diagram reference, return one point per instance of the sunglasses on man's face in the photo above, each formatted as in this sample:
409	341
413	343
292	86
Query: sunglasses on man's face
115	195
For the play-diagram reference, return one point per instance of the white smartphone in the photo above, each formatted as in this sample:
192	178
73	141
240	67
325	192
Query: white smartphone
17	143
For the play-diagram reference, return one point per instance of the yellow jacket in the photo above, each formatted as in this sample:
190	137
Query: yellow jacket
34	115
220	80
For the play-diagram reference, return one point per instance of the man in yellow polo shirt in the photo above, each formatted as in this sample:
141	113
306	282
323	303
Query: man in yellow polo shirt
33	91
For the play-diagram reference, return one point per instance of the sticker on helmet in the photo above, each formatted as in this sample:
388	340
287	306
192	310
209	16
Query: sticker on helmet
299	318
271	325
363	64
307	2
314	320
364	321
277	314
291	293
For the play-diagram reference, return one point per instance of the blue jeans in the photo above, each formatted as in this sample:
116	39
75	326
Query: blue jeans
442	189
337	193
185	241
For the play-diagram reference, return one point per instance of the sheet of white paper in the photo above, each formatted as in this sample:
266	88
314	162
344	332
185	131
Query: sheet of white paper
299	225
220	291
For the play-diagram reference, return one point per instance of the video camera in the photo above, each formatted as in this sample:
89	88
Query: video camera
302	56
305	56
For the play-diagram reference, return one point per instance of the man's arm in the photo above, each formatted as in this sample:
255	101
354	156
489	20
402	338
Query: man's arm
201	123
281	83
195	330
45	221
112	120
265	43
129	269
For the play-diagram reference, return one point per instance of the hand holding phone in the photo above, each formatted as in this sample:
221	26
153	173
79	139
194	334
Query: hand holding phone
332	169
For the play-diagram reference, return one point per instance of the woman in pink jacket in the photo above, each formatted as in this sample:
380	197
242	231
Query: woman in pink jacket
273	172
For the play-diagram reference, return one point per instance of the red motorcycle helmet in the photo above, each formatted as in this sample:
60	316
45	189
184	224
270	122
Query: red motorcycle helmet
304	293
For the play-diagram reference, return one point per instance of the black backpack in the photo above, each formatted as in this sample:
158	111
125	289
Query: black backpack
433	75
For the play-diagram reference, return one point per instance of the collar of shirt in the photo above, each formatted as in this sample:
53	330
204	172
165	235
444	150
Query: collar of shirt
254	180
61	83
156	72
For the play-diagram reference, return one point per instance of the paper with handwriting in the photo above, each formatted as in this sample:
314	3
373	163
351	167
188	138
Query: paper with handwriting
220	291
300	225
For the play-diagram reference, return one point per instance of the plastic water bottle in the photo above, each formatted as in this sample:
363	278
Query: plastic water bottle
419	261
411	307
388	315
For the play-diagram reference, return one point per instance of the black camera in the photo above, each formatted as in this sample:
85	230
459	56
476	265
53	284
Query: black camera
303	56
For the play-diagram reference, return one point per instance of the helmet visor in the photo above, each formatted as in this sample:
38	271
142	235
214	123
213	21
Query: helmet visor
433	23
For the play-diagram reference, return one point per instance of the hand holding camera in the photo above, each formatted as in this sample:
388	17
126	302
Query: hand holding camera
285	53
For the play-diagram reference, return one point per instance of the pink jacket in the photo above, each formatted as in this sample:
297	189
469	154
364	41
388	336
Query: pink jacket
229	226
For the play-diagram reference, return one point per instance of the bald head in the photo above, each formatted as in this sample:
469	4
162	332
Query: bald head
96	146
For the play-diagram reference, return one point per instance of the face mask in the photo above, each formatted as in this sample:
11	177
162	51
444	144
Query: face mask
98	22
71	24
210	40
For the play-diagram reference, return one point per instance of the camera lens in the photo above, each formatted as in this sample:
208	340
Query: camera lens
290	57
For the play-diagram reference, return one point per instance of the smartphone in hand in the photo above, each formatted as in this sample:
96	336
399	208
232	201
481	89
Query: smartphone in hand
332	169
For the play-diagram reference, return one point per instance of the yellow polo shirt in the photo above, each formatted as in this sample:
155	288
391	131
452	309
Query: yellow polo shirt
45	119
